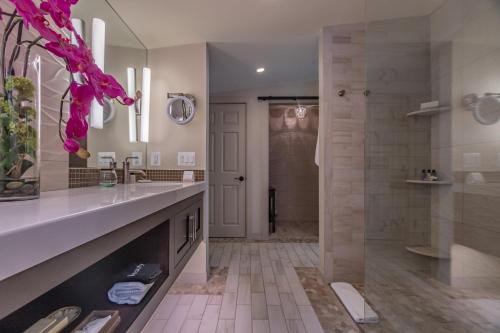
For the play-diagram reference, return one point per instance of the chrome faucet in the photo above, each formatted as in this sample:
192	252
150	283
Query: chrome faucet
127	172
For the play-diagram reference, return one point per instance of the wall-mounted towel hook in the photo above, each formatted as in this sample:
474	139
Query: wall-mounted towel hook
343	92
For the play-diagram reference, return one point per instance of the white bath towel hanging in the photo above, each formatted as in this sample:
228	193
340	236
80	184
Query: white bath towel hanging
316	154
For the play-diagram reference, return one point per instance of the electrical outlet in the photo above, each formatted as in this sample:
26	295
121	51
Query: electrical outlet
472	161
102	161
136	162
155	158
186	159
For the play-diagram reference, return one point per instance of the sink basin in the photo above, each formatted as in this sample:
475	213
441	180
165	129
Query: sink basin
160	184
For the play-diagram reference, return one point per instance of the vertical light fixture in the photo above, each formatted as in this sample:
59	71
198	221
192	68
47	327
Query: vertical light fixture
132	112
145	103
78	25
98	47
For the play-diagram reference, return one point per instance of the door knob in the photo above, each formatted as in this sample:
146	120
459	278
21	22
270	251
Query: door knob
240	178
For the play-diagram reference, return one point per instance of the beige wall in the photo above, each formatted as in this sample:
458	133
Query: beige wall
258	148
114	136
178	69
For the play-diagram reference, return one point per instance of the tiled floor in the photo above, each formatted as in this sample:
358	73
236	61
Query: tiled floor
296	231
262	293
410	295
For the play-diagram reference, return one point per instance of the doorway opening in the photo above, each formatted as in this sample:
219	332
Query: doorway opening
293	173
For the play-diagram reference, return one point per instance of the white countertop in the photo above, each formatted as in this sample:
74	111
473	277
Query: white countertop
34	231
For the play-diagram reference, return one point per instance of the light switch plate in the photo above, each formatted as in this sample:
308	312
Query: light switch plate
136	162
155	158
186	159
103	162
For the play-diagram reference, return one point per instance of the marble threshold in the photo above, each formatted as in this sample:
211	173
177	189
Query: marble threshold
32	232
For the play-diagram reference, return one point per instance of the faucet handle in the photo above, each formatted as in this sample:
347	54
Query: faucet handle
112	164
131	158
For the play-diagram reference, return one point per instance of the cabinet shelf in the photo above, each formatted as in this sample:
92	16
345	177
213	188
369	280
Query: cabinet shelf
427	251
426	182
428	112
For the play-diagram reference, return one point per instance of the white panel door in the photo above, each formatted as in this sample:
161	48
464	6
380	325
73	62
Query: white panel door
227	170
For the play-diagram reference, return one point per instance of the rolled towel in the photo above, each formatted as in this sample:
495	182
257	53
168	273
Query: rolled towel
128	292
145	273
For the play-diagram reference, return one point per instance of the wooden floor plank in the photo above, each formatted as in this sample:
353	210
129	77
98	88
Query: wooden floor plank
174	324
166	307
210	319
228	307
191	326
310	320
290	310
277	323
197	307
225	326
260	326
243	322
259	306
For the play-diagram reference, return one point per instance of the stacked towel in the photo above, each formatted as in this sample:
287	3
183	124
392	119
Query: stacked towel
128	292
133	283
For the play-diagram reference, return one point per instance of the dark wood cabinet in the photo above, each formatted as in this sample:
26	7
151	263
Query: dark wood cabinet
169	238
187	229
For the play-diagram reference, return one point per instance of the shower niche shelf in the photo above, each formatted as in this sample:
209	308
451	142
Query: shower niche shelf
427	251
426	182
428	112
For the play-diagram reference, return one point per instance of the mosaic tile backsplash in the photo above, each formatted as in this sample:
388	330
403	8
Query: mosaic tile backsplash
83	177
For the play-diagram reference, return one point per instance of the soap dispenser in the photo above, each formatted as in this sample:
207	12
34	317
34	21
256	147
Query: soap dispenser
108	177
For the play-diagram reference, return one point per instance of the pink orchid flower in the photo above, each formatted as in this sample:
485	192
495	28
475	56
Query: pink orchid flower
78	58
60	11
33	16
71	145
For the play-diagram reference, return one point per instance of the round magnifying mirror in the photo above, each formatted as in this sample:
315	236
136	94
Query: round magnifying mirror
487	110
181	109
109	111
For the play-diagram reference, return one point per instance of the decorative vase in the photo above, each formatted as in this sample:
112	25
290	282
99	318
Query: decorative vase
20	121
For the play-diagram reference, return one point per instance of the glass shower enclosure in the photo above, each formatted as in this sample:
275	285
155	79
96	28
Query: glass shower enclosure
432	172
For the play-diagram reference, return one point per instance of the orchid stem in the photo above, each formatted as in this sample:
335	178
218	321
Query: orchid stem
7	30
27	55
61	106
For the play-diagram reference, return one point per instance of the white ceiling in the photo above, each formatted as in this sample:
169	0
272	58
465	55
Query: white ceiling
278	34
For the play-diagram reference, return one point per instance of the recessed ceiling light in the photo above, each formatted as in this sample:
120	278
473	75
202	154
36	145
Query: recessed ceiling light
261	70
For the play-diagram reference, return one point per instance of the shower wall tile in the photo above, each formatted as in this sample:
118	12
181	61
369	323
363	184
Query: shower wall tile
342	175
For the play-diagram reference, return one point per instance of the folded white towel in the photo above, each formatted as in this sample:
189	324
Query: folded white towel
128	292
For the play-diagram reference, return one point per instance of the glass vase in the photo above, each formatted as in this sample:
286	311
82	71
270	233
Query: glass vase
20	121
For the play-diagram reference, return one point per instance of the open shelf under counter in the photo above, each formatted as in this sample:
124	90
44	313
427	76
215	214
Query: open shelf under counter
427	251
426	182
428	112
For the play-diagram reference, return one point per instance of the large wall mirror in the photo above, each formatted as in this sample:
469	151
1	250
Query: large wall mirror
123	51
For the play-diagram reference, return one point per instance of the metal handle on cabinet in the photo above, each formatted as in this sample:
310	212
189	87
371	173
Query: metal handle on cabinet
192	222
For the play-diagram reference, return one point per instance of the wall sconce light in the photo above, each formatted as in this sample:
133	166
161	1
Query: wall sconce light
141	107
145	103
78	25
98	48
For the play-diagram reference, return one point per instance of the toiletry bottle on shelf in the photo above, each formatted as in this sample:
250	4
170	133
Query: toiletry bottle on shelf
434	175
424	175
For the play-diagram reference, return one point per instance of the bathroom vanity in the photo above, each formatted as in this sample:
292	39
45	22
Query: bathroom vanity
66	248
